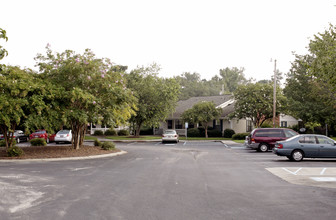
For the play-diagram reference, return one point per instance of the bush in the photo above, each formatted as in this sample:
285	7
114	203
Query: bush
148	131
14	151
214	133
193	132
2	143
266	125
38	142
97	143
123	133
108	146
228	133
110	132
240	136
98	133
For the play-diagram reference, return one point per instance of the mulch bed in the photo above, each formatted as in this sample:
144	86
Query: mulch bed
57	151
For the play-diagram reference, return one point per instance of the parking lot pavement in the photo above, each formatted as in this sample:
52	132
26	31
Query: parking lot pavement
310	176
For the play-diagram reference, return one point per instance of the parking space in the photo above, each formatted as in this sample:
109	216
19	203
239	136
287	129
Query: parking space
311	176
309	172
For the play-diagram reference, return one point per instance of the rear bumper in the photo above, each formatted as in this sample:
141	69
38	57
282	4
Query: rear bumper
252	145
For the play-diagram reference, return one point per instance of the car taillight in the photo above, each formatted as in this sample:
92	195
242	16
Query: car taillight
252	140
279	146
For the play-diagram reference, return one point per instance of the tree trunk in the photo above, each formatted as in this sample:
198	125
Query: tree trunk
137	131
206	130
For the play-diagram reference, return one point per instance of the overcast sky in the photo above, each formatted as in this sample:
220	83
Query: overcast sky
200	36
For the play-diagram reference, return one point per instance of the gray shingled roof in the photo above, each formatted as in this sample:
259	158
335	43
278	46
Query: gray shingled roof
187	104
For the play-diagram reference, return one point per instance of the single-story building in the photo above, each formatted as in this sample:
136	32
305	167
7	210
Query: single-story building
225	102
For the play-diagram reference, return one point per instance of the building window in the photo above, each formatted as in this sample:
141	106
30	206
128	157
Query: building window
178	124
169	124
284	124
248	125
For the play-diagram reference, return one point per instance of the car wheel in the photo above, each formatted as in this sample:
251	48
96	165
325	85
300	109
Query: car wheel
297	155
263	148
56	142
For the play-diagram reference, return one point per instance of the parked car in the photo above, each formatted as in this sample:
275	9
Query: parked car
170	135
263	139
63	136
40	134
18	135
52	138
306	145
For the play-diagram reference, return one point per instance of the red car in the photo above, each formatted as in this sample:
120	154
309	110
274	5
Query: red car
40	134
263	139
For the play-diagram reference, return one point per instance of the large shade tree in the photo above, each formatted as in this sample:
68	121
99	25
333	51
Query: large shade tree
156	96
255	101
323	51
309	98
202	112
23	98
92	90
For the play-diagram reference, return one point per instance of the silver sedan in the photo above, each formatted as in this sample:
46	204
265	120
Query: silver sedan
170	135
306	145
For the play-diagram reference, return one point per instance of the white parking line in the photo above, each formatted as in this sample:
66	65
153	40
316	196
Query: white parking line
322	172
294	173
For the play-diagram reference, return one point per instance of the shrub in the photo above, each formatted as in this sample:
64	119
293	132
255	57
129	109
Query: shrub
110	132
108	146
98	133
2	143
14	151
97	143
193	132
214	133
38	142
123	133
148	131
266	125
228	133
240	136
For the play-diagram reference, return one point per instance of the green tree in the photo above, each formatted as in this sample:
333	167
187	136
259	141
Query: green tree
232	78
3	51
309	99
156	96
22	95
202	112
91	90
255	101
323	49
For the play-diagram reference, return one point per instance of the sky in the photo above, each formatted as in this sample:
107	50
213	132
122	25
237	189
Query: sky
201	36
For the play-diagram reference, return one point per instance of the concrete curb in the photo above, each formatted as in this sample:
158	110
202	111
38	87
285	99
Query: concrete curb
67	158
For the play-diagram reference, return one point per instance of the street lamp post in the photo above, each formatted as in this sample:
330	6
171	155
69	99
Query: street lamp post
274	95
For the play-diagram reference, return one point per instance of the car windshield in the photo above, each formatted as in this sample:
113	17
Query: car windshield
63	132
170	132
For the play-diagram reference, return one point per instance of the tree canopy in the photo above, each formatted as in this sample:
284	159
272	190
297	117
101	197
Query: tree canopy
255	101
156	97
90	90
202	112
22	96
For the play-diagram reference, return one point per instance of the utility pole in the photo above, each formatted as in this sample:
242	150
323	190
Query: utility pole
274	95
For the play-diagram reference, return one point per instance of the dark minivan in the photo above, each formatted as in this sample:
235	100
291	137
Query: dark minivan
263	139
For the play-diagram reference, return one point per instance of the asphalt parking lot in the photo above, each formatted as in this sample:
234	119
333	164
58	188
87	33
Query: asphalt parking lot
188	180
